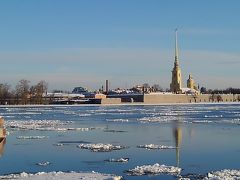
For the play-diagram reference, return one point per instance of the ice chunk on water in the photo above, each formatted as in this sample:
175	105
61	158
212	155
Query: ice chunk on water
117	120
223	174
202	121
32	137
45	125
154	146
99	147
35	124
114	131
122	160
154	170
213	116
43	163
158	119
58	144
61	176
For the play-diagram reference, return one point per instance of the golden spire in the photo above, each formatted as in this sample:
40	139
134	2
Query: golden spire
176	49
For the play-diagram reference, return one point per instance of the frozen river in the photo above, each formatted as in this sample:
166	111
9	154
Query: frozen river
197	139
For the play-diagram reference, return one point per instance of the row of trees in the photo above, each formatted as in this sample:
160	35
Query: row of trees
203	90
220	91
24	93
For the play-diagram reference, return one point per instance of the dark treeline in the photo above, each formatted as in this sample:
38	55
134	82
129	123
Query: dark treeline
23	93
220	91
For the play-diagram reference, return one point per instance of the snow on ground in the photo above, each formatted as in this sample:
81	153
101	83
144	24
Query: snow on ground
121	160
224	174
61	176
154	170
99	147
154	146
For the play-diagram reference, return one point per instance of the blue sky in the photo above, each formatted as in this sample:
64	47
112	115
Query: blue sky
72	43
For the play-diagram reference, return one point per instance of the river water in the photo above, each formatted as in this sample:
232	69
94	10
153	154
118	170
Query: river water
206	138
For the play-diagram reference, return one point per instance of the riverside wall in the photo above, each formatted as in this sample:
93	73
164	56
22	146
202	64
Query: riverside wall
155	98
111	101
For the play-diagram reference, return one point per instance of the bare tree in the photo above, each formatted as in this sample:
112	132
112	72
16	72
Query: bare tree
37	92
22	91
157	87
41	89
5	94
219	98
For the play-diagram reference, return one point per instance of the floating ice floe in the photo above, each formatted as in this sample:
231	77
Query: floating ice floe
44	125
32	137
58	144
43	163
74	142
154	146
113	131
232	121
121	160
35	124
204	121
223	174
84	115
61	176
190	176
157	119
213	116
73	129
154	170
117	120
101	147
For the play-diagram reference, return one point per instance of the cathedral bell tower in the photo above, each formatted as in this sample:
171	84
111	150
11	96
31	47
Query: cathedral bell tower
176	83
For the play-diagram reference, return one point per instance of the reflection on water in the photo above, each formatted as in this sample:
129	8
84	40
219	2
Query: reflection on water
2	144
2	136
177	133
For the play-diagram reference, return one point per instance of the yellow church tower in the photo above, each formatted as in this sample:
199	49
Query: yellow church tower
176	84
190	82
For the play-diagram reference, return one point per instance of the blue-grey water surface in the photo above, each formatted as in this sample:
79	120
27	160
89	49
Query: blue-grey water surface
208	137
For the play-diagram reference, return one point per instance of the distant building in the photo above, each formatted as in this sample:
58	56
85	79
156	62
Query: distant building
191	83
79	90
176	84
83	91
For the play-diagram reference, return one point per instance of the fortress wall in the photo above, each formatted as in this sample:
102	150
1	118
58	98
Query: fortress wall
165	98
111	101
229	97
183	98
